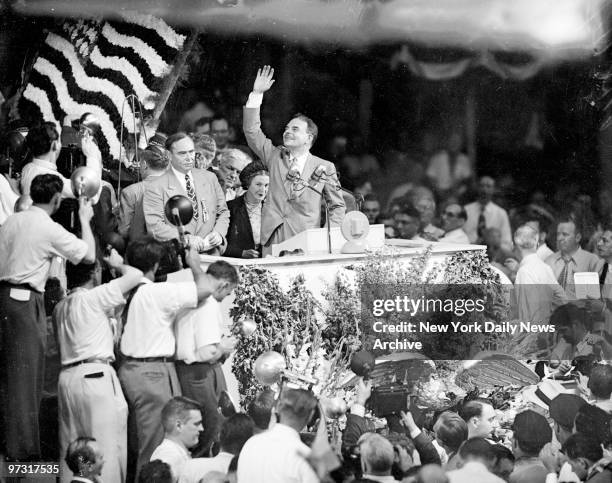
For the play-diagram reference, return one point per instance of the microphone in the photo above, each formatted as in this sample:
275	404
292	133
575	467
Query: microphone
319	174
181	232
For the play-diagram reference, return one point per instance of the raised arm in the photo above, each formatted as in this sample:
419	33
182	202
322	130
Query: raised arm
251	123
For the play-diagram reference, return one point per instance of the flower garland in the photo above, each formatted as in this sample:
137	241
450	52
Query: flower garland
170	36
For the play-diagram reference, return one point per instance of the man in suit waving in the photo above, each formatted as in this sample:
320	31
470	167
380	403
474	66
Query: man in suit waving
290	208
210	221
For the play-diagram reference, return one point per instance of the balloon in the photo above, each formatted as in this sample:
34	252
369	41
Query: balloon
334	407
184	207
362	363
85	182
269	368
247	327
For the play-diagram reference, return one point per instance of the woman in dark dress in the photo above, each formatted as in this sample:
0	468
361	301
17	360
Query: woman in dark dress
243	235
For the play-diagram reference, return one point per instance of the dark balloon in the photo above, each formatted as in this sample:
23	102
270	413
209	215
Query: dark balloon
184	207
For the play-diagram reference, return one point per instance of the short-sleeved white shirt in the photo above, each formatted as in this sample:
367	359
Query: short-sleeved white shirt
28	242
149	329
198	328
84	328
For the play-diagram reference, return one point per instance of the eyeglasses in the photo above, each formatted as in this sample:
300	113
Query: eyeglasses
450	214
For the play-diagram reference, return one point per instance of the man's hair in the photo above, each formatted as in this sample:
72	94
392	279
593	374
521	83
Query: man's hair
462	213
204	142
177	409
371	197
233	466
80	452
44	187
260	408
297	404
600	381
451	429
593	421
477	448
40	138
79	274
219	117
234	155
203	121
502	453
580	445
144	253
222	270
569	218
378	452
174	138
526	237
235	431
155	159
473	408
311	127
155	471
408	209
251	170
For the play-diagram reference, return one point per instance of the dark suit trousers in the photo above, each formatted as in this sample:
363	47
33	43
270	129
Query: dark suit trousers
147	386
204	382
23	340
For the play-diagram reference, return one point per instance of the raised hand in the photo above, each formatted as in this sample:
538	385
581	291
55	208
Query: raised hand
264	79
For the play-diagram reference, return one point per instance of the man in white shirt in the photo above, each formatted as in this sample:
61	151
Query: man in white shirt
29	240
147	374
483	214
570	257
278	455
181	419
89	394
453	219
45	145
541	226
537	292
477	459
8	197
407	223
201	348
235	432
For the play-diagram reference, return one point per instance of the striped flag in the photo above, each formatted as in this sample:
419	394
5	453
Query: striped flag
92	66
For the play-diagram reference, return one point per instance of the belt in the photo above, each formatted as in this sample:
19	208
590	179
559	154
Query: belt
93	360
149	359
23	286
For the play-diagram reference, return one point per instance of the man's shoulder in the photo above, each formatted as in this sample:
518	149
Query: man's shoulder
205	175
550	259
159	181
133	190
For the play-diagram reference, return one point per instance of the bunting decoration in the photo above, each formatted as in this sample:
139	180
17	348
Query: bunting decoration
93	66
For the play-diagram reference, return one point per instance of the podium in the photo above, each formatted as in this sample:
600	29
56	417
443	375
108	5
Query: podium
314	241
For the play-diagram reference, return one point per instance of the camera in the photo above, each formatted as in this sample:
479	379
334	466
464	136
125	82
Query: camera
387	400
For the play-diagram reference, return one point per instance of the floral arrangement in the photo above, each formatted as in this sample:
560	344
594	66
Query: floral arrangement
318	339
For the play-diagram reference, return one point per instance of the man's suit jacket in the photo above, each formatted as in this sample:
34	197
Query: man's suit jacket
208	193
240	233
131	213
304	211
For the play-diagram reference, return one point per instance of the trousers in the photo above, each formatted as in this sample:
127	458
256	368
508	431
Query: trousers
23	342
204	382
147	386
91	403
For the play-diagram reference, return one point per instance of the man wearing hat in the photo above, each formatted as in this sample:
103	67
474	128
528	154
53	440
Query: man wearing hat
563	410
531	434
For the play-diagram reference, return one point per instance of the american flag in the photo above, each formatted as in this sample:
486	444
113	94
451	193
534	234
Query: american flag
93	66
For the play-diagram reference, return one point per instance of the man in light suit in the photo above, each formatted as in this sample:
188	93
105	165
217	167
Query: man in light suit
131	214
210	221
290	208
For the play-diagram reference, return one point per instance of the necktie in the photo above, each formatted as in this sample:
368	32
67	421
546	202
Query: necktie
482	223
563	275
604	273
293	168
192	196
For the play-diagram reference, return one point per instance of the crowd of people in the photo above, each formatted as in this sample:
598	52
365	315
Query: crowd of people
141	393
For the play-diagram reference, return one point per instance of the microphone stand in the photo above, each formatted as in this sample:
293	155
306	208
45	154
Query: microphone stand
181	238
304	184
